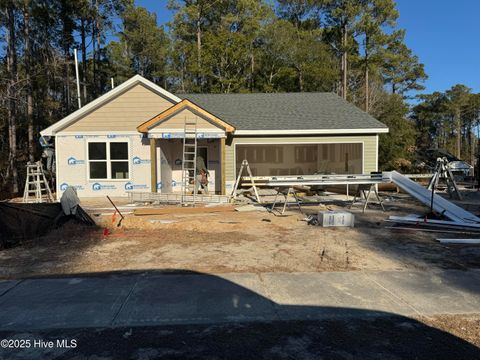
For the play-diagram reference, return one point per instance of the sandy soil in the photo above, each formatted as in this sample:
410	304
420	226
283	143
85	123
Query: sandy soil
236	242
466	327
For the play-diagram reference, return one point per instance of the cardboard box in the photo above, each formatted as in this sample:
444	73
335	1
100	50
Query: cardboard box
335	218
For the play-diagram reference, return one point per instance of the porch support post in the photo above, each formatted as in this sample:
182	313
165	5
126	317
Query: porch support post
222	165
153	164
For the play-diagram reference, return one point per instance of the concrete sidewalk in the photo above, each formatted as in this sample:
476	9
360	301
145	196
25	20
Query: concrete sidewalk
155	298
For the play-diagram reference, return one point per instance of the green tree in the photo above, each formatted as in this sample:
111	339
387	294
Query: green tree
396	148
458	97
342	17
142	46
402	70
377	16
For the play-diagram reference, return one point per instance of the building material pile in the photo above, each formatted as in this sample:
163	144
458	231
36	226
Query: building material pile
175	198
459	219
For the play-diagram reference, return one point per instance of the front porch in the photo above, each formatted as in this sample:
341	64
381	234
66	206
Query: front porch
166	134
166	163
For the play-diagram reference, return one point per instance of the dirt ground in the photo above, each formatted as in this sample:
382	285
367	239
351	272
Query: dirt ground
231	241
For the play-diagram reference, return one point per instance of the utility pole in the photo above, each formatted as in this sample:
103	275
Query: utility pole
78	79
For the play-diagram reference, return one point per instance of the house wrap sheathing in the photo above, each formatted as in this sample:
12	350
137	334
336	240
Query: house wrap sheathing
130	139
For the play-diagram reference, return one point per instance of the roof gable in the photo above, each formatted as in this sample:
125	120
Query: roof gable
106	98
179	107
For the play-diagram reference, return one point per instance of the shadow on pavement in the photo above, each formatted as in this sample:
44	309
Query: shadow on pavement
183	314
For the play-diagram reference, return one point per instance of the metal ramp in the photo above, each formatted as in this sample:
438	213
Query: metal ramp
36	185
189	163
440	205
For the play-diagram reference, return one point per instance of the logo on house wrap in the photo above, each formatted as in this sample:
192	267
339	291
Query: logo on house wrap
72	161
97	186
129	186
78	136
64	187
159	185
137	161
111	136
174	183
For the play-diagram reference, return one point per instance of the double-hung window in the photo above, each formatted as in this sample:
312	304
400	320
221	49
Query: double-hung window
108	160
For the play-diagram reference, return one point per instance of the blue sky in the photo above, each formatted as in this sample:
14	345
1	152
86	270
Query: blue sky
444	34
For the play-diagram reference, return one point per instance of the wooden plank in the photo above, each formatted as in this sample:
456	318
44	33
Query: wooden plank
182	210
153	165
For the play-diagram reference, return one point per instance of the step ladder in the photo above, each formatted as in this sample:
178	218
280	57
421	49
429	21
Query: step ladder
189	163
442	172
244	167
36	185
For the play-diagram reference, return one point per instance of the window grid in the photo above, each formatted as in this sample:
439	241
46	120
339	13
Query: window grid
108	160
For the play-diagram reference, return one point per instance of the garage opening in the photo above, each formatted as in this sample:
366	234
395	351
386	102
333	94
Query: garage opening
301	159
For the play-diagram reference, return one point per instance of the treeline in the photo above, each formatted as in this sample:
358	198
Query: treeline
449	120
351	47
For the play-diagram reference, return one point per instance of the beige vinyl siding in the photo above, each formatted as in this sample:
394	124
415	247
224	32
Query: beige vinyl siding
369	148
123	113
177	121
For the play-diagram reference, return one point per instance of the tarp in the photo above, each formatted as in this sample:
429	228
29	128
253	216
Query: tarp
26	221
70	201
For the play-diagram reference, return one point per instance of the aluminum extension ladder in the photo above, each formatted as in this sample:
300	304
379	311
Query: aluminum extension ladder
189	163
36	185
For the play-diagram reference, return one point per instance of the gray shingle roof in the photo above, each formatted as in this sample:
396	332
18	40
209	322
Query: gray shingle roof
285	111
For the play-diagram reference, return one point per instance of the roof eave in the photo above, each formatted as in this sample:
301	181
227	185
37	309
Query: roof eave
313	131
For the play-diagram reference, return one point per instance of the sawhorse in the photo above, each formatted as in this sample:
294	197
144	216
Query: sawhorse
286	192
366	190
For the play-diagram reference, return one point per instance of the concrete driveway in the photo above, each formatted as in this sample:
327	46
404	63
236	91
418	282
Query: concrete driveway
160	298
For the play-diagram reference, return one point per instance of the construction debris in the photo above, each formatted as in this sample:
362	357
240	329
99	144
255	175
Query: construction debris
434	223
250	207
159	221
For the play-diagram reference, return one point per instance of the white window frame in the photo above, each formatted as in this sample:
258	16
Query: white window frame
108	160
